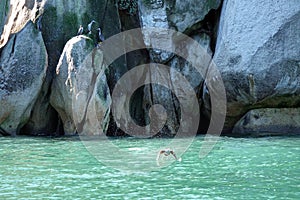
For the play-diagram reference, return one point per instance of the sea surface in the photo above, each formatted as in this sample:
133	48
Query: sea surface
237	168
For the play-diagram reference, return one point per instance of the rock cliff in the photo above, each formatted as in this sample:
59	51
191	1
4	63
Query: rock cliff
52	80
258	55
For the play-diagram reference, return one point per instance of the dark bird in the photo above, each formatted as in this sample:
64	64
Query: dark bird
90	26
101	37
39	23
80	30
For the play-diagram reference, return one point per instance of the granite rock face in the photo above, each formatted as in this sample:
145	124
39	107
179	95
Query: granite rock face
58	21
258	55
80	92
269	122
254	44
155	17
23	66
20	12
61	19
188	15
153	14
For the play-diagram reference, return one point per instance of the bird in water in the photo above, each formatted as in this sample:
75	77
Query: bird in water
90	26
165	153
101	37
80	30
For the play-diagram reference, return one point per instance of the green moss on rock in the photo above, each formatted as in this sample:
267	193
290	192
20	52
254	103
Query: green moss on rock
70	22
129	5
49	20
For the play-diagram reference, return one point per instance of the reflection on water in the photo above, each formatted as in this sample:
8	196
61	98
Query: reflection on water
62	168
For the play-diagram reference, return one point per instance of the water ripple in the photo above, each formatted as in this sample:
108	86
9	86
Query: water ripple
264	168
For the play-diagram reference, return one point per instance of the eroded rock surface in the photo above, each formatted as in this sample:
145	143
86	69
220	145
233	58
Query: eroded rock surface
155	17
23	67
188	15
269	122
80	92
258	55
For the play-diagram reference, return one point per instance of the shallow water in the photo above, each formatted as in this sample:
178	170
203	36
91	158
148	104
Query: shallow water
62	168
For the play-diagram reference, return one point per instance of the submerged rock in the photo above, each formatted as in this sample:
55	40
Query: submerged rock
269	122
258	55
80	93
23	65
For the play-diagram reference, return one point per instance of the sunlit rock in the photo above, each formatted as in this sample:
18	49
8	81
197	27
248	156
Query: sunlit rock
23	65
258	55
186	15
80	93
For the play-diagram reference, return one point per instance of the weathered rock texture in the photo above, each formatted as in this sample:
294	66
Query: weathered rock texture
258	55
188	15
60	22
162	14
269	121
80	92
20	12
23	65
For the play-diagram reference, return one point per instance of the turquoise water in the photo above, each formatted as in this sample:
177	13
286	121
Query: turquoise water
62	168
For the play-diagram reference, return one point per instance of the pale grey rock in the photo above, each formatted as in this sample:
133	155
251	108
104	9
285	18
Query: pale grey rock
195	78
169	97
181	15
23	66
80	93
60	22
185	14
269	122
153	18
258	55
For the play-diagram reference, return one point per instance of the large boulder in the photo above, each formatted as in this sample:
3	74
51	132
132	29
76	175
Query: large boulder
60	22
43	118
269	122
23	66
80	92
258	55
